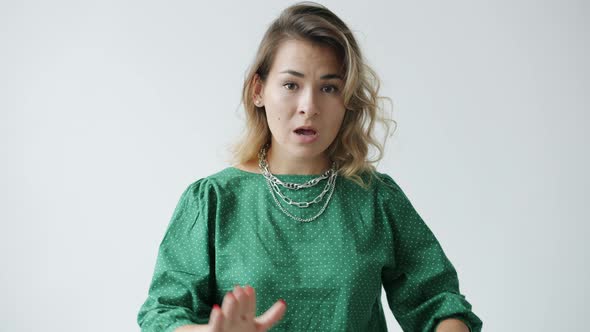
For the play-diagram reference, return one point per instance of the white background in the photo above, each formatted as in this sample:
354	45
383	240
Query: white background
109	109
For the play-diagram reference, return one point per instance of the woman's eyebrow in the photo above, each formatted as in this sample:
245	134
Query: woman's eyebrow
324	77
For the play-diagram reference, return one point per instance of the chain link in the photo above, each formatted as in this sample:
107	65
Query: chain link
289	185
289	201
302	219
273	184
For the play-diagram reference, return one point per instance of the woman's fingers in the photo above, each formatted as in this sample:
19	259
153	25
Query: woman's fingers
239	307
251	302
216	319
229	307
272	315
243	305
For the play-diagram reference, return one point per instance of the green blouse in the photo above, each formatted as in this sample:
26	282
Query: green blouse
228	230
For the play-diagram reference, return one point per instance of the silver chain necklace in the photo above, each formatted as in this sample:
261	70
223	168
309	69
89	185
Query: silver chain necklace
295	186
273	184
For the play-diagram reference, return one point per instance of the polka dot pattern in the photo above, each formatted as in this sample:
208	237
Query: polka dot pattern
226	229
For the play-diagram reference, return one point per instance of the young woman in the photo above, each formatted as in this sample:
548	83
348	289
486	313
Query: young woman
302	232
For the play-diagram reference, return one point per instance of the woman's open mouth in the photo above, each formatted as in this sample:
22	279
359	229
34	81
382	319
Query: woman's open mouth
306	135
306	132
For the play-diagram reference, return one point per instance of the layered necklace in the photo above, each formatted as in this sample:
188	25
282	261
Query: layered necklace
274	183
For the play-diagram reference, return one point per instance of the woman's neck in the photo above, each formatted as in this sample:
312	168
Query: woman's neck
281	164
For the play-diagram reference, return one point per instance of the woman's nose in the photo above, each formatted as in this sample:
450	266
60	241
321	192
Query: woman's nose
308	106
308	112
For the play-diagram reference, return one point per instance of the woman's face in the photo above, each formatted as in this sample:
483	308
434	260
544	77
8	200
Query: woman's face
303	89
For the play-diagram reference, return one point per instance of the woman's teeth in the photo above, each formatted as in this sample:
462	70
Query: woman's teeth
305	132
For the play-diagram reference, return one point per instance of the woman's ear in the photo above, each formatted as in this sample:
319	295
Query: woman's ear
258	93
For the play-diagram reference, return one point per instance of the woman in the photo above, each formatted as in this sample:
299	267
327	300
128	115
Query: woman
303	217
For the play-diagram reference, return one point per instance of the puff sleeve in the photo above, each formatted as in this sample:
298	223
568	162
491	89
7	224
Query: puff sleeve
180	288
421	283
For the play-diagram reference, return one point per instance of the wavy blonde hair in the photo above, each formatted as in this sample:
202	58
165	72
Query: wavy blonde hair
310	21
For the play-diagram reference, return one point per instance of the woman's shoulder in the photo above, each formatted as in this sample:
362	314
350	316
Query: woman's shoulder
224	179
376	180
386	180
373	185
384	184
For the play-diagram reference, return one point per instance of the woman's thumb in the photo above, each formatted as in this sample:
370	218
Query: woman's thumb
272	315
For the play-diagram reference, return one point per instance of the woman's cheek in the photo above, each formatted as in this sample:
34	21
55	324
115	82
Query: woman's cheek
276	126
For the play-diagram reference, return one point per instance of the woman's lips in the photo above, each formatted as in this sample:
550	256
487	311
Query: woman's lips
303	131
306	136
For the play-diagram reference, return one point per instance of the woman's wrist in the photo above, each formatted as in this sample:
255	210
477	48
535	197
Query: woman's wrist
452	325
192	328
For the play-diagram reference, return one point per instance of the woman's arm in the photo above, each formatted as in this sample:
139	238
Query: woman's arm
452	325
180	291
420	281
192	328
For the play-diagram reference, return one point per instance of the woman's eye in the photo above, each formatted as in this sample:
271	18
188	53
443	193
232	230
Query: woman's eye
333	88
327	88
288	85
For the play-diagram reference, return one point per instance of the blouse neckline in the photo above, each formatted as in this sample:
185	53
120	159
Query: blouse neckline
280	176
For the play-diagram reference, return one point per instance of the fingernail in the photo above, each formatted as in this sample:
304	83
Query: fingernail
215	306
285	303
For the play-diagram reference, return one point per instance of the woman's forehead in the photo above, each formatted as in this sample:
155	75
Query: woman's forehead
305	58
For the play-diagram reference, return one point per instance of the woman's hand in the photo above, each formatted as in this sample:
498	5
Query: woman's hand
238	310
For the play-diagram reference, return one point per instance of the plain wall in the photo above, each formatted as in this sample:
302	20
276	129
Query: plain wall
109	109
